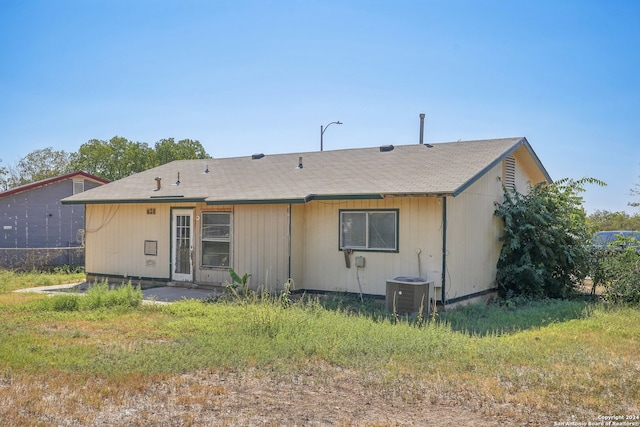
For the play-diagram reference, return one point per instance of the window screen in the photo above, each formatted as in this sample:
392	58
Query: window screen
216	239
369	230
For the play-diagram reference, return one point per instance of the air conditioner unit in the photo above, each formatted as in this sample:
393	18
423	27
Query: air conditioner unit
409	295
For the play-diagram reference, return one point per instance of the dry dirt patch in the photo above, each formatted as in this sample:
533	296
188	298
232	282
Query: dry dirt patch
324	396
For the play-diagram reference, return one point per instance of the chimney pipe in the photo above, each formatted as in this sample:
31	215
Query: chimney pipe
299	162
421	128
158	179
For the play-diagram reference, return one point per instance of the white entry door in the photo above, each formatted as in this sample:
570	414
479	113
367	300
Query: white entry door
181	259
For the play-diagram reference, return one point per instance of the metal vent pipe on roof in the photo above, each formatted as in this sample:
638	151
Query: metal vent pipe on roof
421	128
158	185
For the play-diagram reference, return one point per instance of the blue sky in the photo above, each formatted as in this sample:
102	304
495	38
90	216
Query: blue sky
263	76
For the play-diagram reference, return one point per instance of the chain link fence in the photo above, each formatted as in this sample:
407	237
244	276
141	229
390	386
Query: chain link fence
40	258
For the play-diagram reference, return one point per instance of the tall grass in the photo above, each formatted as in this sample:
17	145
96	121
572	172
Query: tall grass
559	354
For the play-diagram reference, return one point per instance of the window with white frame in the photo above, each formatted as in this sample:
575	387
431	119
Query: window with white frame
216	239
374	230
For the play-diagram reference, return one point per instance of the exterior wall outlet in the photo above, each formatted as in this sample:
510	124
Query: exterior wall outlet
359	261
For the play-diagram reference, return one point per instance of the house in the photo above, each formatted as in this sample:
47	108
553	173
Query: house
344	220
37	229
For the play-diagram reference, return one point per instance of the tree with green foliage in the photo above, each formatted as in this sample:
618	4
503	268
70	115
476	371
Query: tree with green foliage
113	159
36	166
608	221
545	251
167	150
635	192
119	157
4	185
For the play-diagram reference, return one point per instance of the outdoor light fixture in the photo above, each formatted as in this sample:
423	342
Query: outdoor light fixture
323	129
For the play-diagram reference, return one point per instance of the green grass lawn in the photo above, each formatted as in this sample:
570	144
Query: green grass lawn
556	357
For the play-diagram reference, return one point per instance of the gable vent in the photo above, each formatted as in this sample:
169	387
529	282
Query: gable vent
509	172
385	148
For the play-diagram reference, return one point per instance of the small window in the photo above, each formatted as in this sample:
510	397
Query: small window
78	187
375	230
216	239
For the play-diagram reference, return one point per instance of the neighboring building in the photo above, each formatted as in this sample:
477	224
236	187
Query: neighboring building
343	220
36	229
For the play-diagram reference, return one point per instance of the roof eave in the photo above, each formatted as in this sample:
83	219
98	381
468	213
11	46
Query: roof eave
158	199
294	200
518	144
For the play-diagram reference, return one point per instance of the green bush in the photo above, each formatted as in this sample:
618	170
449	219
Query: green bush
618	269
545	241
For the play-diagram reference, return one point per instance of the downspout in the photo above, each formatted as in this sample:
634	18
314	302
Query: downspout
289	243
444	247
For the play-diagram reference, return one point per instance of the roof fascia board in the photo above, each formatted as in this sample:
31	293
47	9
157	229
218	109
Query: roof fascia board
374	196
253	202
306	199
128	201
401	195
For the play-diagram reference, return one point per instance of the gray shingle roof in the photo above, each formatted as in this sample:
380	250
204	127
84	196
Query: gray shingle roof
440	169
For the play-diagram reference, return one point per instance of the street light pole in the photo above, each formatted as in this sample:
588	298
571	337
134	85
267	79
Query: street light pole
323	129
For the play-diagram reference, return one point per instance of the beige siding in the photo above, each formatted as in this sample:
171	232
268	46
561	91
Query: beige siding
298	251
115	236
116	233
323	265
261	244
472	237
